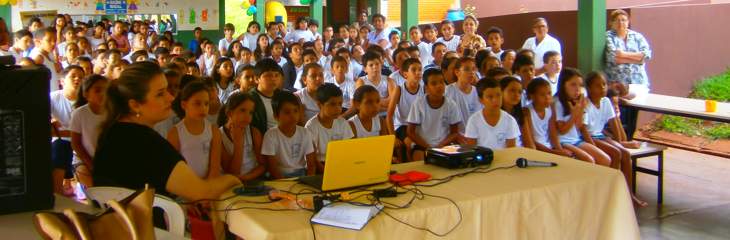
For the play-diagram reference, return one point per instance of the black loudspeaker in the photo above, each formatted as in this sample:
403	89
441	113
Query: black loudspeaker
25	146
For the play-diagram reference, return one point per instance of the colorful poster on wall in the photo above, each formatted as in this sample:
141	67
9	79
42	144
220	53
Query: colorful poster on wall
116	7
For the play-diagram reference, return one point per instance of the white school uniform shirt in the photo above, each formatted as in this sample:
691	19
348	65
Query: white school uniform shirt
50	63
224	43
374	37
270	120
541	126
310	104
361	131
61	109
424	52
452	44
282	61
12	52
86	123
296	35
348	90
493	137
433	124
596	118
164	126
61	49
95	42
248	162
553	82
208	63
572	136
340	131
549	43
249	41
224	93
196	148
398	78
467	104
298	79
382	86
404	105
498	55
291	151
354	70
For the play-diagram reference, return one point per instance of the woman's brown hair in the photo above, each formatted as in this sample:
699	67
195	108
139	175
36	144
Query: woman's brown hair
132	84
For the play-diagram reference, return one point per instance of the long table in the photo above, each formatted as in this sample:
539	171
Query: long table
679	106
683	107
575	200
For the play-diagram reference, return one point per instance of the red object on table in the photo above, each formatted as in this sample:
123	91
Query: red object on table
408	178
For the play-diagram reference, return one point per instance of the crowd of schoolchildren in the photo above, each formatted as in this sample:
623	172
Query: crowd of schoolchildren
264	104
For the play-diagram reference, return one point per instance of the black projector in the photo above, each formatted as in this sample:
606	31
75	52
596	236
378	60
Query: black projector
454	157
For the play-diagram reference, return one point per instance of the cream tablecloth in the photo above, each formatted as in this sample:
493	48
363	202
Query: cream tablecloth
575	200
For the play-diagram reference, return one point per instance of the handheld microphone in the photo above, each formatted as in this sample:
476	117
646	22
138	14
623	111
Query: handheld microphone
523	163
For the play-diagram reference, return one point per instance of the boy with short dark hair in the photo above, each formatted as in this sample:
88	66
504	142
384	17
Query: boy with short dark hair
328	125
491	127
424	49
228	31
433	120
373	69
45	41
495	39
287	147
269	76
448	37
438	50
340	78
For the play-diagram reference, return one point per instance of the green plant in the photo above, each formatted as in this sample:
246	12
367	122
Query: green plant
721	131
715	87
681	125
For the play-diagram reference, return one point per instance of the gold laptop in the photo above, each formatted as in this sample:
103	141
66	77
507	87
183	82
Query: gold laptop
354	162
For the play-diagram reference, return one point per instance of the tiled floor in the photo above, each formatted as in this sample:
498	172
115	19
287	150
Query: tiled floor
696	197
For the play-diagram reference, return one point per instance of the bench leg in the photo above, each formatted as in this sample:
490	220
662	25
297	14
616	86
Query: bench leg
633	174
660	178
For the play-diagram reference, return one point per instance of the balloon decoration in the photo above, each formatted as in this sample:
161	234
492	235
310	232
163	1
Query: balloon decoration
251	10
305	2
250	6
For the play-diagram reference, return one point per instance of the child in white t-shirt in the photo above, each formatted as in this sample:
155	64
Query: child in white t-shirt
403	98
241	141
366	122
599	113
339	77
62	102
448	38
223	44
373	66
540	117
553	65
433	120
42	54
289	148
491	127
328	125
197	139
207	60
570	119
463	92
84	125
313	76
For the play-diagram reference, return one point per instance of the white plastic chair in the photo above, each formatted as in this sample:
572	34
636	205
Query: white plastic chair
175	213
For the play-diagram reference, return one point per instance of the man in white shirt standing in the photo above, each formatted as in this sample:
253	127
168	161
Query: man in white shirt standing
541	43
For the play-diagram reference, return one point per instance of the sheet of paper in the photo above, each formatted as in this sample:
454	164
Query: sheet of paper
345	215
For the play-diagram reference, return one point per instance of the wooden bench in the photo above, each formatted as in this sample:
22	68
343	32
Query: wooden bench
648	150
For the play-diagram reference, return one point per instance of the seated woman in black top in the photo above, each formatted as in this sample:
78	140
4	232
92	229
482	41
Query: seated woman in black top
131	154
